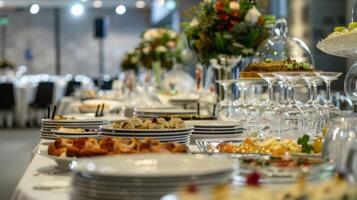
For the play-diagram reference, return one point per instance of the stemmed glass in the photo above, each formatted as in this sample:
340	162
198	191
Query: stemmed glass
328	77
312	111
269	112
291	116
239	103
225	108
225	64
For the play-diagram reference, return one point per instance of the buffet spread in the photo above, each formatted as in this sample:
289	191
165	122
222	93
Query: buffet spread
247	149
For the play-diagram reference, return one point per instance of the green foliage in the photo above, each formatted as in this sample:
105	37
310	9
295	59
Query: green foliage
220	27
304	142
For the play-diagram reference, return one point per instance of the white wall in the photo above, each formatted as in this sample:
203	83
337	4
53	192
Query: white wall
79	49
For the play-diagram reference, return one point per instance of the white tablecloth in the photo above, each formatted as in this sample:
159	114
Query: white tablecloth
42	171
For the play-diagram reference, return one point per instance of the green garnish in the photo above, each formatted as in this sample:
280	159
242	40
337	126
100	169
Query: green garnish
352	25
268	60
290	66
339	29
304	142
304	66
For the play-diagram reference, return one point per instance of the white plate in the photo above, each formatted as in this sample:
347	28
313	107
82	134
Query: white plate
155	137
212	124
343	45
217	129
74	133
168	134
77	136
218	132
155	165
165	112
109	127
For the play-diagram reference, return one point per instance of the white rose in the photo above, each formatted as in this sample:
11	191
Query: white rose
253	15
194	22
234	5
172	34
161	49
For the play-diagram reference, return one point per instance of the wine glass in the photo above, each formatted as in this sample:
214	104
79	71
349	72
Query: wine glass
239	103
312	111
225	108
291	116
269	111
350	85
328	77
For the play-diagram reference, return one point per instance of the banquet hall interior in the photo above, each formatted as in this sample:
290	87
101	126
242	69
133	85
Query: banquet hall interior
268	84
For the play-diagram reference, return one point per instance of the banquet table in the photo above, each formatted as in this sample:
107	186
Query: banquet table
43	181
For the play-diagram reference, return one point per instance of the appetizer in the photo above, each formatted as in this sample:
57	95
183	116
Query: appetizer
284	162
336	188
62	117
88	147
273	146
155	123
274	66
341	30
72	130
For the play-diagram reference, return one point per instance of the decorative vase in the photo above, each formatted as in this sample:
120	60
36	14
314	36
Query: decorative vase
225	68
156	67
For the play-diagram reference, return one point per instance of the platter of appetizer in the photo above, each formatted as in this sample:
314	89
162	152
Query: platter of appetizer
64	151
341	42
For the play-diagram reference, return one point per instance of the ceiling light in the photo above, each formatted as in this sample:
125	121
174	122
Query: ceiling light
77	9
2	4
34	9
171	4
97	4
84	0
160	2
120	10
140	4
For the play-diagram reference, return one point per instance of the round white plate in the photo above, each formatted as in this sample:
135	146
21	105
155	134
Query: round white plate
74	133
109	127
212	124
155	165
218	132
343	45
144	136
147	134
171	111
217	129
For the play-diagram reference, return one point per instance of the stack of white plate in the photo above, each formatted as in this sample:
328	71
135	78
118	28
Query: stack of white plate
207	129
148	176
149	113
48	126
76	134
181	135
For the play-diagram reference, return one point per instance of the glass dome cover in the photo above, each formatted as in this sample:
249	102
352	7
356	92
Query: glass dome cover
281	48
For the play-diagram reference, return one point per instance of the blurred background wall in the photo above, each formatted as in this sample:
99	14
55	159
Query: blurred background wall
310	20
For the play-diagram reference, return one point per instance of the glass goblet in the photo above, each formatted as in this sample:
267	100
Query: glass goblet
312	111
328	77
225	108
269	113
291	116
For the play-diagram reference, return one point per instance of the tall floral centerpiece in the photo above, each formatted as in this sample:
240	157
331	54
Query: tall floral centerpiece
158	50
130	61
226	27
223	32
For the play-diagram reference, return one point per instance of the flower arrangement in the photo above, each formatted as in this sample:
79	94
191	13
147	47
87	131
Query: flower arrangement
226	27
130	61
159	45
